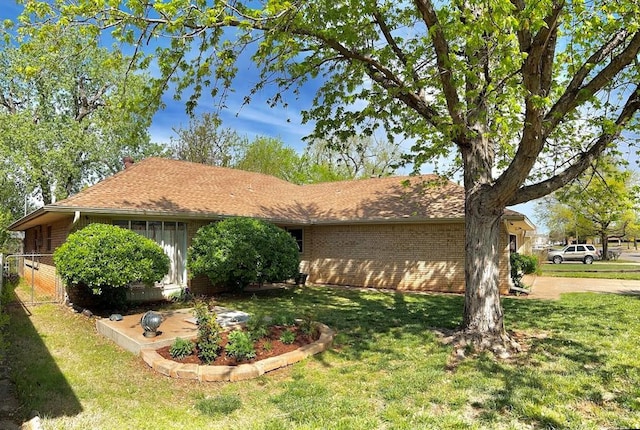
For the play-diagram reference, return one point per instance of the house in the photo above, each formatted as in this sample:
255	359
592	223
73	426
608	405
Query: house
404	233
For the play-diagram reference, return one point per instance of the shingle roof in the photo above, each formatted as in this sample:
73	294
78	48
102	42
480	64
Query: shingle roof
163	186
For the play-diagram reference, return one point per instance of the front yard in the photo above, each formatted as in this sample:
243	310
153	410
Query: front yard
599	270
386	369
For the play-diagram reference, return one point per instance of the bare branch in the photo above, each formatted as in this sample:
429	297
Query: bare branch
8	103
537	72
558	181
85	105
444	66
392	43
576	92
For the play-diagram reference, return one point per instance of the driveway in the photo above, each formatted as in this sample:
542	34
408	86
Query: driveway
550	288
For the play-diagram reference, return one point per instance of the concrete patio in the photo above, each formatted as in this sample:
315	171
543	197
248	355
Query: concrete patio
128	333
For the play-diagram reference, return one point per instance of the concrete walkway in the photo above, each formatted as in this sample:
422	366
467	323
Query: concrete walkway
550	288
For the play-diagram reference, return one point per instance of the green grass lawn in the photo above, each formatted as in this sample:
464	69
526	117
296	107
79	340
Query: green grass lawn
386	370
601	270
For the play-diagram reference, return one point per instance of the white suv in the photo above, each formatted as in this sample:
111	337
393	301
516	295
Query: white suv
585	253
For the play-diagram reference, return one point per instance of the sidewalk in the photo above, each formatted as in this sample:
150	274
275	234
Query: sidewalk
550	288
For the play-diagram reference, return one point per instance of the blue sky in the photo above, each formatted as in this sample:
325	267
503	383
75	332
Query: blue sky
257	118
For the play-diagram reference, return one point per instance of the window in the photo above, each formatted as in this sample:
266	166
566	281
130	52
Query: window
121	224
297	235
581	248
48	238
571	249
513	243
171	236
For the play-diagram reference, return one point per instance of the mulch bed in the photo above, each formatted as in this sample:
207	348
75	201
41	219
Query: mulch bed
277	348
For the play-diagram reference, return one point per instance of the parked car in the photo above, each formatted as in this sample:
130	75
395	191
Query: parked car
585	253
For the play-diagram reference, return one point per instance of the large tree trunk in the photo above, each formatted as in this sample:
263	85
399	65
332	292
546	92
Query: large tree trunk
483	319
483	315
604	238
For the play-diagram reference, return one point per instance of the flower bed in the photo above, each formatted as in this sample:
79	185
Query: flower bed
238	372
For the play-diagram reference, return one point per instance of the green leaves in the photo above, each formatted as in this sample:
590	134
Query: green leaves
69	112
103	256
238	251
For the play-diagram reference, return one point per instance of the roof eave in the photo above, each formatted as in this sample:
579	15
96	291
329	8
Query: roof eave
25	219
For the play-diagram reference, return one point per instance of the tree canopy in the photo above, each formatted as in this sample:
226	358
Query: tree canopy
527	93
204	141
600	203
69	112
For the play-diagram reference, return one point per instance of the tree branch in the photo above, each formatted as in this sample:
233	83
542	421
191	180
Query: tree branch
537	77
576	92
392	43
558	181
86	105
8	103
426	9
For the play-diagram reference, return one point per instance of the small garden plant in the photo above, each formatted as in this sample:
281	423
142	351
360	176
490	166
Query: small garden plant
181	348
257	326
261	337
240	345
209	330
288	337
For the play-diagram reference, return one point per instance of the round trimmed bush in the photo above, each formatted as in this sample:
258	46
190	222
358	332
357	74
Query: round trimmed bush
108	258
238	251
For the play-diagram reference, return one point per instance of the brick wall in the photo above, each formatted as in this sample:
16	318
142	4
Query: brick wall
419	257
44	239
43	276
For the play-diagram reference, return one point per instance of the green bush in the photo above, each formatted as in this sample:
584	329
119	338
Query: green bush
102	257
240	345
181	348
287	337
238	251
257	326
209	330
522	265
308	325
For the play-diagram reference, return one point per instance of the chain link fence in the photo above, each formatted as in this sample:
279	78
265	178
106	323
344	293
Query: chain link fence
34	277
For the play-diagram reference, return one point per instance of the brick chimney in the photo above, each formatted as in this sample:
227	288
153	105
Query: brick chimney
128	162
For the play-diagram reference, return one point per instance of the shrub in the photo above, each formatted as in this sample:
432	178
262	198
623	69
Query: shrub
287	337
209	330
105	257
240	345
238	251
522	265
308	325
283	319
182	296
257	326
181	348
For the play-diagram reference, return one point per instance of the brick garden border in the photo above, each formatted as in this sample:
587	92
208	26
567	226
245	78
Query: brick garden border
205	373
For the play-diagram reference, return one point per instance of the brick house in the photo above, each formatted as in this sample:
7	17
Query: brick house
404	233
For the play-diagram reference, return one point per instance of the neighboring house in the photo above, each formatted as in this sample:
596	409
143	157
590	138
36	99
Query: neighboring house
404	233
